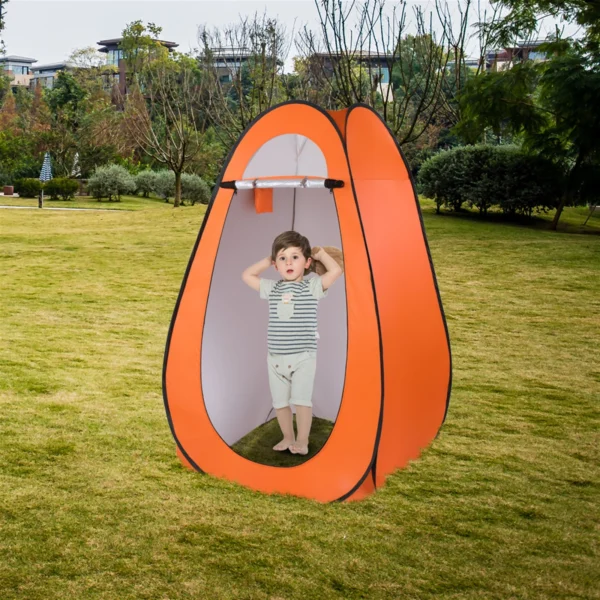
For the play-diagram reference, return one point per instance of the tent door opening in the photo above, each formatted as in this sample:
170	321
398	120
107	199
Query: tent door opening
234	346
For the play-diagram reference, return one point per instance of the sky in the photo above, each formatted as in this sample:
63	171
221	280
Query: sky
49	30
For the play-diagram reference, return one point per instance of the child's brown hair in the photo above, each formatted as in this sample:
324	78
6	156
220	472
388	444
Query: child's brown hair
291	239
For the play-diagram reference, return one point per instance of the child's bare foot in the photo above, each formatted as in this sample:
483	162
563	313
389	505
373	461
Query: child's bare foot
283	445
299	447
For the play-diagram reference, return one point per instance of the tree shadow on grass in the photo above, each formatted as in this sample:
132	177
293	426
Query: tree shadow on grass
257	445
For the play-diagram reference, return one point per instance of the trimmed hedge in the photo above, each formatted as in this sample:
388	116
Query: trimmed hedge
111	182
486	176
194	188
164	184
28	187
145	182
61	187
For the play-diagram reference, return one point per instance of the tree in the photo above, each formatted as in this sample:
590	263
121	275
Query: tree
243	72
89	69
8	114
141	46
162	111
523	16
550	105
410	73
3	4
83	122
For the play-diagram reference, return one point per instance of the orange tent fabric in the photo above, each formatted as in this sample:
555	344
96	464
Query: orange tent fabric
386	366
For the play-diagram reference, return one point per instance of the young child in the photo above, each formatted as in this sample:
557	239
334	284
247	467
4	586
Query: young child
292	332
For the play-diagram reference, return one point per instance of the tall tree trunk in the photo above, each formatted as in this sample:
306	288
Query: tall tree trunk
561	205
570	191
177	200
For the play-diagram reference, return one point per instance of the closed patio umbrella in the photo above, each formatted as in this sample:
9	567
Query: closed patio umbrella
45	175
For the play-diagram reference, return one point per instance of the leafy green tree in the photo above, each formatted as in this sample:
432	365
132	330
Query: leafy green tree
162	110
83	122
4	86
551	106
66	95
3	4
522	18
141	47
89	69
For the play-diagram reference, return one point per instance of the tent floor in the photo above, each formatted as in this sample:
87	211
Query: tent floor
257	445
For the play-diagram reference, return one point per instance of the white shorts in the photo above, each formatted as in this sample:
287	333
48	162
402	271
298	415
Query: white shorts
292	378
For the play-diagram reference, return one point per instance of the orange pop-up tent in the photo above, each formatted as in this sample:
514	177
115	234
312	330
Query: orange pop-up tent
384	366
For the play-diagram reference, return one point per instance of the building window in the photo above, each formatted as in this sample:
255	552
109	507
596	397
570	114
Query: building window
17	69
114	56
537	56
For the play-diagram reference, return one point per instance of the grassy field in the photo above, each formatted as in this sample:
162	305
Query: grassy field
126	203
94	503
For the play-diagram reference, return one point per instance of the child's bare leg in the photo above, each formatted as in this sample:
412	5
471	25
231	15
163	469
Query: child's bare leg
304	423
286	423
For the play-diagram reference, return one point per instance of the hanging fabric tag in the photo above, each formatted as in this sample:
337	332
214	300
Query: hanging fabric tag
263	200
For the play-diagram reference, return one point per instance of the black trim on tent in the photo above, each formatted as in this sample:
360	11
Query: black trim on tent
373	464
227	185
331	184
180	295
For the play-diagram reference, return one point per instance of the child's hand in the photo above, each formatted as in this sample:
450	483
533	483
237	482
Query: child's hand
316	252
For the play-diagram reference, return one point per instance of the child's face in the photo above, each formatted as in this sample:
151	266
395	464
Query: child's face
291	264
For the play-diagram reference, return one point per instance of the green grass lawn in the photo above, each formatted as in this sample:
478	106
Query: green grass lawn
95	505
126	202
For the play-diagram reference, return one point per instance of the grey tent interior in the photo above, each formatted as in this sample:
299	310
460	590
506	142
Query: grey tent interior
234	346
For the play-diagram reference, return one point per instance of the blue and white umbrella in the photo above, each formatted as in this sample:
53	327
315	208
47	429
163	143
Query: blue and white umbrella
46	173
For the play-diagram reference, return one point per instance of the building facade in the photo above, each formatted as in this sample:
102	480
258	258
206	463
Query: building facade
228	62
18	69
45	75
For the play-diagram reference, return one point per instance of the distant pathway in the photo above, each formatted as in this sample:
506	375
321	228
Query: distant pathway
57	208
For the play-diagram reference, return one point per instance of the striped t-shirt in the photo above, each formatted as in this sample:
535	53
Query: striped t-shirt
292	314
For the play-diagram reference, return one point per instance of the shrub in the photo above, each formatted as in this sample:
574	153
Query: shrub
529	183
111	182
442	178
61	187
164	184
416	157
485	176
195	189
28	187
145	183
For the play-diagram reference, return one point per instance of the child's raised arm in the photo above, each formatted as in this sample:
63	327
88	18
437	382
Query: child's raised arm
250	275
333	269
